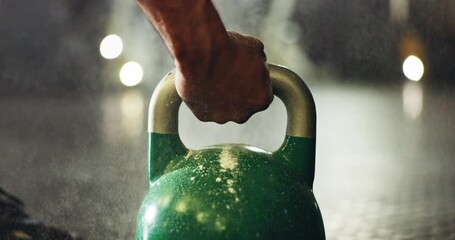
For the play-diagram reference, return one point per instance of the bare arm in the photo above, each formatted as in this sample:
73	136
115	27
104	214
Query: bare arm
221	75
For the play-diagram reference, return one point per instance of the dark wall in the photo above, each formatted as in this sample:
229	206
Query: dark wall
50	46
358	39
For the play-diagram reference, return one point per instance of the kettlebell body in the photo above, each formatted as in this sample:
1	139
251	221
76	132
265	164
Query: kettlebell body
231	191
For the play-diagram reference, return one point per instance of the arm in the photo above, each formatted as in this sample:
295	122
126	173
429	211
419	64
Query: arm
220	75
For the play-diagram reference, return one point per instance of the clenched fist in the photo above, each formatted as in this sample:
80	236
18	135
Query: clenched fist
235	85
221	76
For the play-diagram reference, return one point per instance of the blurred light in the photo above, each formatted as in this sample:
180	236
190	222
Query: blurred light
132	108
413	68
132	103
399	11
110	119
131	74
412	99
111	46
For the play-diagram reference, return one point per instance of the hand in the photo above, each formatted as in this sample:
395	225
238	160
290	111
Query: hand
232	86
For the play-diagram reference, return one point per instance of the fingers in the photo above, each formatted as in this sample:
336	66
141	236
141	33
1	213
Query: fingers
236	87
238	113
237	102
224	117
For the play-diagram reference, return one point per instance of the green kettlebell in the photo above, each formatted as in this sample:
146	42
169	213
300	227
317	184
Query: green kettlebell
232	191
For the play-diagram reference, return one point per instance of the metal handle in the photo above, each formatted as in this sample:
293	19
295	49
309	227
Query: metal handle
288	86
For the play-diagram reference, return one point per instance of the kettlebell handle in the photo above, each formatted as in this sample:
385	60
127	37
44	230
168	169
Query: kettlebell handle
288	86
298	149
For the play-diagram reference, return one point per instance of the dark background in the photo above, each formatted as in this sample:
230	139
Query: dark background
73	138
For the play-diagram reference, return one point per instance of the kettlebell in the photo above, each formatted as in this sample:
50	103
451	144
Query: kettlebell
232	191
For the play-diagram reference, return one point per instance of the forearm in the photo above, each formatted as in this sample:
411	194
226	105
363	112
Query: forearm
192	31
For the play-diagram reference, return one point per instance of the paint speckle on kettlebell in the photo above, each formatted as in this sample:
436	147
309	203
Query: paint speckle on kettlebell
227	160
181	206
220	224
202	217
230	182
188	154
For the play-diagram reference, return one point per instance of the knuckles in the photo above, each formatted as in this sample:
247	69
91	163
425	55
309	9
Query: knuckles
237	88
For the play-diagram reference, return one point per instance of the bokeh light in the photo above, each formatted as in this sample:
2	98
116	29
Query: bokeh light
132	103
413	68
131	74
111	46
132	108
412	99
